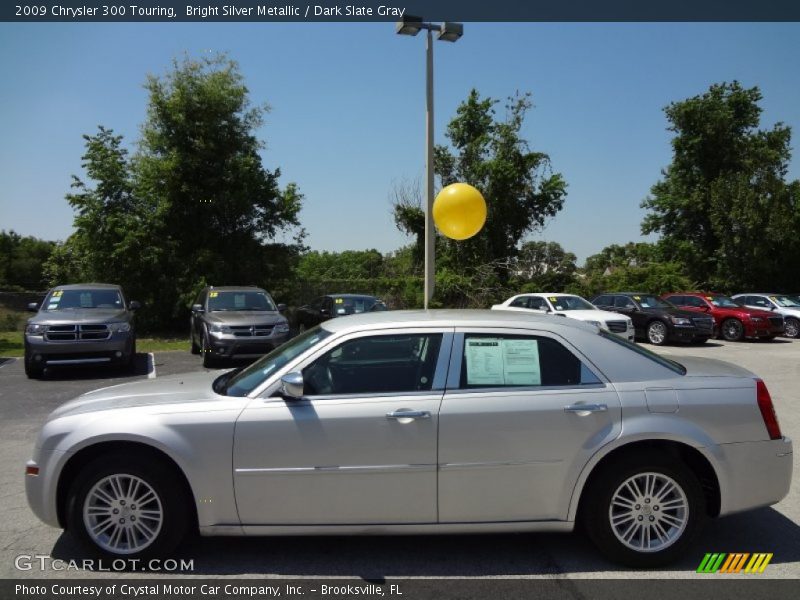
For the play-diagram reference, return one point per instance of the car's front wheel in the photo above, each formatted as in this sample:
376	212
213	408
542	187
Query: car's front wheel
209	362
657	333
121	508
792	328
644	511
33	370
732	330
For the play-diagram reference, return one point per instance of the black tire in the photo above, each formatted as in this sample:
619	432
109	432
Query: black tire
596	507
195	349
792	328
732	330
33	370
130	363
173	501
657	332
209	362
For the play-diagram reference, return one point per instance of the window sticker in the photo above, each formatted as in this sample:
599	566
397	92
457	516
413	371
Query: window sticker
495	361
239	301
57	294
709	298
52	306
86	300
341	311
553	299
339	300
213	294
639	298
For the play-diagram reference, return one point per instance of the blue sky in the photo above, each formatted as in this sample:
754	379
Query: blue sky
347	118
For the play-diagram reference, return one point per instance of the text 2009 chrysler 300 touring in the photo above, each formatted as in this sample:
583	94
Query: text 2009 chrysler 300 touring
419	422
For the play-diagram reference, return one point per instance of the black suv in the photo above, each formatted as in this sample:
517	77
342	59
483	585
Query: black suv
657	320
230	322
81	324
335	305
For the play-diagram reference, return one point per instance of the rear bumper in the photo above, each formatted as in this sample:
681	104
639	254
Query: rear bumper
753	474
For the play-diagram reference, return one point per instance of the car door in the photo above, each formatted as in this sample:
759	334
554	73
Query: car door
521	416
359	447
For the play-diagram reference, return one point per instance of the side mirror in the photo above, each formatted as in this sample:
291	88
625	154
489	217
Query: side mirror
198	308
134	305
292	385
281	307
33	307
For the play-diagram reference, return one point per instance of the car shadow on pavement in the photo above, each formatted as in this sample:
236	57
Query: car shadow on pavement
142	366
376	558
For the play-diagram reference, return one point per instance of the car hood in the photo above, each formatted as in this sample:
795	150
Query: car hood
245	317
710	367
592	315
77	316
173	389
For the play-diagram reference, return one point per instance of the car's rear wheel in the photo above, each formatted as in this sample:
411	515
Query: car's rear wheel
792	328
732	330
120	508
657	333
643	511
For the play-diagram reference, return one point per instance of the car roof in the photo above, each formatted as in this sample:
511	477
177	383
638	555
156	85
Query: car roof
628	294
454	318
759	294
235	288
350	296
554	294
83	286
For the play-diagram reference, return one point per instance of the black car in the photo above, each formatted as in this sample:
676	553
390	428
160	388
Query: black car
657	320
236	322
335	305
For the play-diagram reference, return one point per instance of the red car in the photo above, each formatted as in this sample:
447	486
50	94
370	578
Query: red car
734	321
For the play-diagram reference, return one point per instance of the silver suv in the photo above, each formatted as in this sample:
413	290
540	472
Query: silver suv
86	323
230	322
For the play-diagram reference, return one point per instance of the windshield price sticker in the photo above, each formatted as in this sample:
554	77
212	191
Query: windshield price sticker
494	361
637	298
339	300
213	294
57	294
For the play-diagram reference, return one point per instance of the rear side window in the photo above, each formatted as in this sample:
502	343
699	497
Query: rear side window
520	361
520	303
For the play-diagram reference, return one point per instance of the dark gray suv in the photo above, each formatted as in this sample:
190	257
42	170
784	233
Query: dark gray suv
230	322
86	323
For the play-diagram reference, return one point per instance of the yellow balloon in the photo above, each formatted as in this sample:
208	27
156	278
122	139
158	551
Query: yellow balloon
459	211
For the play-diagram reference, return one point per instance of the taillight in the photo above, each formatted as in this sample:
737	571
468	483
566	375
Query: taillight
767	410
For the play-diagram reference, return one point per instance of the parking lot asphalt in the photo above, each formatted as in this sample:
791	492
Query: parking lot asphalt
24	405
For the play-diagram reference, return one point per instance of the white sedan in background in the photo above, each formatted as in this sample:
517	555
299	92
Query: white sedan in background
782	304
574	307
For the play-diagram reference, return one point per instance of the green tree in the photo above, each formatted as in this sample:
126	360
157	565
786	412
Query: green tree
520	189
350	264
22	259
193	205
723	207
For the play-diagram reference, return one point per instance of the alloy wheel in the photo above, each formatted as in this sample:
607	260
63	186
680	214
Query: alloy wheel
657	333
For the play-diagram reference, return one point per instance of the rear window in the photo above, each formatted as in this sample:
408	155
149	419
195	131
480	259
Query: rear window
672	365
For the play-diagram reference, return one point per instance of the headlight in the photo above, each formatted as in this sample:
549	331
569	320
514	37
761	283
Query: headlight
282	328
595	323
119	327
680	321
35	328
219	329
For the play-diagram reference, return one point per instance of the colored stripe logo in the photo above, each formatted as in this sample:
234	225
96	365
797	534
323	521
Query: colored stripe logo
736	562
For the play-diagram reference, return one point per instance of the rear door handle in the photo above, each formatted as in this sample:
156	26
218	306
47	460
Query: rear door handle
579	408
408	414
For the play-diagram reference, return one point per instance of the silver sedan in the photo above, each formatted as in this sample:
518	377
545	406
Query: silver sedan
419	422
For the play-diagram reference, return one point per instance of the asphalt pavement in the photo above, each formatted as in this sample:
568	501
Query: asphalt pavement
24	405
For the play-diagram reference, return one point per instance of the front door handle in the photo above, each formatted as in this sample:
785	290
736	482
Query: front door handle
408	414
588	408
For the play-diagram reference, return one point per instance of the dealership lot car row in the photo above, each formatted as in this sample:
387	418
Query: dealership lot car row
393	419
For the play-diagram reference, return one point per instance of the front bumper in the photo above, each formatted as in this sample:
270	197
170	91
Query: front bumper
753	474
762	329
41	489
117	348
229	346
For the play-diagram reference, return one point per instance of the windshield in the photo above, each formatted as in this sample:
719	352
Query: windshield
246	380
723	302
83	298
652	302
570	303
246	300
786	301
353	305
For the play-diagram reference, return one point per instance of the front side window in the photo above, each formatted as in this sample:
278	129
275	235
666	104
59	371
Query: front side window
375	364
624	302
355	305
570	303
695	301
83	298
649	301
520	361
245	300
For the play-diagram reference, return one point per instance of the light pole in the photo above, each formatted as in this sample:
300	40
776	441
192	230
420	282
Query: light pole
448	32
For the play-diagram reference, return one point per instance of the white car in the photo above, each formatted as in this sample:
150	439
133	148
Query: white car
574	307
782	304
